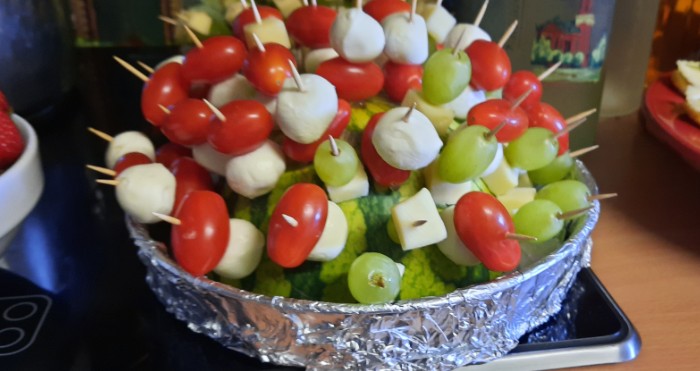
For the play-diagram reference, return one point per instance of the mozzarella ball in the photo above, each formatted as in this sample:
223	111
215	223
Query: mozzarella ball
256	173
127	142
243	252
410	145
210	159
235	87
495	163
304	116
334	236
453	247
356	36
465	101
471	34
406	39
317	56
143	189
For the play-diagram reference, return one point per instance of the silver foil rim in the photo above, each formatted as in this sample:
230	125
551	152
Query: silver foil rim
470	325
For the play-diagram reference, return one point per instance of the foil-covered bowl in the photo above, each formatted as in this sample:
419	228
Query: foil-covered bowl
471	325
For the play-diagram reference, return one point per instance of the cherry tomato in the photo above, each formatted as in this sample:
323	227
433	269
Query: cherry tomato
400	78
304	153
169	152
248	124
518	84
164	88
188	122
490	65
267	70
310	26
199	90
247	17
130	159
492	112
382	173
482	223
543	115
189	176
289	245
219	58
379	9
353	81
199	242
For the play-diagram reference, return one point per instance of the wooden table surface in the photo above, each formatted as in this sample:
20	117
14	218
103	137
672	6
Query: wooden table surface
647	243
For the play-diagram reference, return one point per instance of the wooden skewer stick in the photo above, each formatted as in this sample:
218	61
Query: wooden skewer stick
164	109
520	99
495	130
414	4
167	218
293	222
131	69
573	213
334	146
216	111
146	67
583	151
358	4
418	223
508	33
549	71
259	43
256	13
580	115
112	182
194	37
102	170
408	114
101	134
439	3
313	3
520	237
168	20
457	47
570	128
602	196
480	16
305	2
245	4
296	76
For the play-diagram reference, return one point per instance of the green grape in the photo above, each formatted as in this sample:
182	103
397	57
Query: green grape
538	219
445	76
534	149
374	278
555	170
569	195
467	154
336	170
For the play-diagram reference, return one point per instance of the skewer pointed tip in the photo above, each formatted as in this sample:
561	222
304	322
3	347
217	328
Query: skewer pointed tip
112	182
102	170
101	134
167	218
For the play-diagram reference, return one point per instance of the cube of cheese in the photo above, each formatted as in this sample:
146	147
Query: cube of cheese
445	193
438	21
270	30
440	117
286	7
418	222
357	187
514	199
503	179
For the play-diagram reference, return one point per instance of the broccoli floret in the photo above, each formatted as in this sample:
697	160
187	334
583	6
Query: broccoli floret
420	279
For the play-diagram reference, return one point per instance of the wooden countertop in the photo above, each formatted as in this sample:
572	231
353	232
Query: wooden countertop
646	245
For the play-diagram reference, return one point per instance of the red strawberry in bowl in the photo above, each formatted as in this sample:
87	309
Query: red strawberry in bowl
11	143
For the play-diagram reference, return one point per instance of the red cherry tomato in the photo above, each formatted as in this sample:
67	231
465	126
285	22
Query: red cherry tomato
267	70
482	223
199	90
379	9
130	159
164	88
542	115
310	26
248	124
247	17
289	245
382	173
304	153
519	83
199	242
492	112
353	81
169	152
400	78
189	176
490	65
188	122
219	58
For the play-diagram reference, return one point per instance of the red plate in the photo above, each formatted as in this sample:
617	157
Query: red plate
665	118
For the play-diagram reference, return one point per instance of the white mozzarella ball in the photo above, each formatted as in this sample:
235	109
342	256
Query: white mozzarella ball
493	166
235	87
144	189
127	142
303	116
356	36
317	56
406	39
334	236
438	21
210	159
465	101
409	145
256	173
453	247
175	58
471	34
269	102
243	252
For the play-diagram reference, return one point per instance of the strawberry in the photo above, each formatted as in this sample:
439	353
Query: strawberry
11	143
4	105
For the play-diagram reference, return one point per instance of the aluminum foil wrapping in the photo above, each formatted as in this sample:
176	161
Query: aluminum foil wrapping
471	325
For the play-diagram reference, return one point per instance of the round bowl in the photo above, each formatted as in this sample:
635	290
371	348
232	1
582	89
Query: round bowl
471	325
20	185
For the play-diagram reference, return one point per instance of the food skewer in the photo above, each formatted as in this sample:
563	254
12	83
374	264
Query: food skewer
583	151
112	182
549	71
102	170
220	115
573	213
602	196
580	116
508	33
570	128
146	67
520	237
167	218
131	69
101	134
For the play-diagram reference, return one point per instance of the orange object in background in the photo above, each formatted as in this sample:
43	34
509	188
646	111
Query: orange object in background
677	36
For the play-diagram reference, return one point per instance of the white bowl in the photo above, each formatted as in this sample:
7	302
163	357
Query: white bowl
20	185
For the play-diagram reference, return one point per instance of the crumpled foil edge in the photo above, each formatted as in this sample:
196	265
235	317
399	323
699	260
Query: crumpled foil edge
468	326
